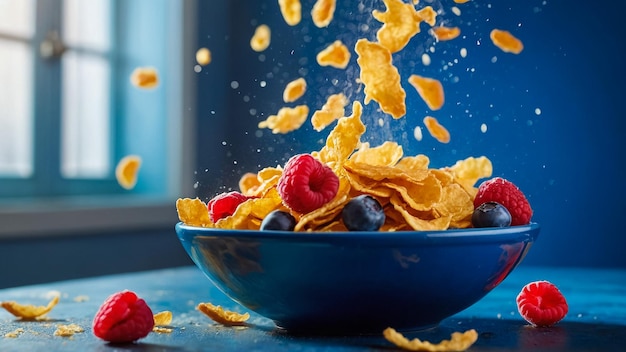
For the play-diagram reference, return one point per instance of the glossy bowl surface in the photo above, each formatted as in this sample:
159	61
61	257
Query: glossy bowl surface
359	282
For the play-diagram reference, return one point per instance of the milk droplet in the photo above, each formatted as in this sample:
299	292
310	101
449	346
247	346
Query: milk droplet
417	133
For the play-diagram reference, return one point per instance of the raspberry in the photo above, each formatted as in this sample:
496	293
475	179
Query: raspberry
306	183
123	317
541	303
506	193
225	204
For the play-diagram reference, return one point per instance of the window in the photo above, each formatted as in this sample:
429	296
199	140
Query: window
68	112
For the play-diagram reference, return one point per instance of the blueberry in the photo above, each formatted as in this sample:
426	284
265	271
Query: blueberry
491	214
278	220
363	213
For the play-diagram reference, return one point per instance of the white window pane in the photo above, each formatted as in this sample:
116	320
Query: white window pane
86	23
16	119
17	17
85	138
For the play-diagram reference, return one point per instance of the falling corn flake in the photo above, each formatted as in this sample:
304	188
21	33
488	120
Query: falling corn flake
203	56
400	23
68	330
29	311
323	12
428	15
381	78
436	130
261	38
126	171
430	90
145	77
222	316
291	11
461	1
335	55
333	109
442	33
506	41
294	90
458	341
287	120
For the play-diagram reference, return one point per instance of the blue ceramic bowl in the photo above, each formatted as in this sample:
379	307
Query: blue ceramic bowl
357	282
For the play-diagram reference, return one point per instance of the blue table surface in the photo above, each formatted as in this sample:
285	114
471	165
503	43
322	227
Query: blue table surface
596	320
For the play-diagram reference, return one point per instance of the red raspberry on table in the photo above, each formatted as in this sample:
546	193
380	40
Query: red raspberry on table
225	204
306	183
509	195
123	317
541	303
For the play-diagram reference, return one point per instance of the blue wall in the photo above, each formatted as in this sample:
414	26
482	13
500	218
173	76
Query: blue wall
567	159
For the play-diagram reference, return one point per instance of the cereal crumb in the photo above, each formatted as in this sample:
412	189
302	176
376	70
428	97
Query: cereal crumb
14	334
68	330
81	298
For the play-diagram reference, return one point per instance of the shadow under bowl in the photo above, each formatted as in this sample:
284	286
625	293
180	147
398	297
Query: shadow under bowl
357	282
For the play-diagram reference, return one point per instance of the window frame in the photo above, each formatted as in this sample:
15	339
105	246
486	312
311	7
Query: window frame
80	214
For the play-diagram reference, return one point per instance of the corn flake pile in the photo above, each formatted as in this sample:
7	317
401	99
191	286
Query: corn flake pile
414	196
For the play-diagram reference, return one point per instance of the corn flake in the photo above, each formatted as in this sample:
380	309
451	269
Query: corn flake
291	11
193	212
287	120
335	55
163	318
400	23
343	139
261	38
294	90
436	130
386	154
126	171
458	341
333	109
467	172
248	183
249	214
506	41
203	56
145	77
461	1
222	316
381	78
430	90
428	15
29	312
443	33
323	12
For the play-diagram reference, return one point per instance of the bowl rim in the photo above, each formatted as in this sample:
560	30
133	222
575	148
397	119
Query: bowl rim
527	232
